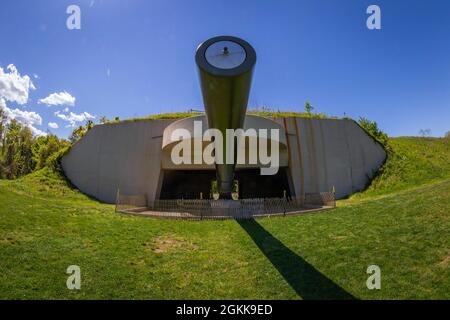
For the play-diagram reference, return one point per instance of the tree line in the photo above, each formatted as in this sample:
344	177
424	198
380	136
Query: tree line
22	153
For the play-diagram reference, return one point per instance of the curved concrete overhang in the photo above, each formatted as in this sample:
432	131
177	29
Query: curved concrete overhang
251	122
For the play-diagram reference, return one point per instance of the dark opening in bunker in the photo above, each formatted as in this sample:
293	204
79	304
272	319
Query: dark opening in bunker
186	184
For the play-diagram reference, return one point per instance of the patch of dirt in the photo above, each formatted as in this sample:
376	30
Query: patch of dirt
338	237
169	243
15	237
445	262
8	240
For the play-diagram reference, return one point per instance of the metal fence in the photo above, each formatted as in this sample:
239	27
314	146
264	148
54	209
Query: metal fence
200	209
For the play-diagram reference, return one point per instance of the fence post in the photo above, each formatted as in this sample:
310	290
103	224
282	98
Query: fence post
334	197
117	199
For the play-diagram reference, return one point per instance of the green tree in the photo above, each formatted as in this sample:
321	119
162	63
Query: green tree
103	120
372	128
21	152
45	147
77	134
80	131
11	138
19	156
89	125
24	154
3	120
308	107
424	132
2	141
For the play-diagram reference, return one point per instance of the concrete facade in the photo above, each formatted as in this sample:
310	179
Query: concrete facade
251	122
132	156
327	153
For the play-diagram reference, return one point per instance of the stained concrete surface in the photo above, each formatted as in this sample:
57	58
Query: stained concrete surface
128	156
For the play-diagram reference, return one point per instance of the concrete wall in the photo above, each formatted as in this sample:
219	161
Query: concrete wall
124	155
324	153
128	156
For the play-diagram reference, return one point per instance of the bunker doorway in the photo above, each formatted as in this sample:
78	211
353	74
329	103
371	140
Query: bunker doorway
189	184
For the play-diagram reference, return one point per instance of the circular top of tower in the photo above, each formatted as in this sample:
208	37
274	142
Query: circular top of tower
225	56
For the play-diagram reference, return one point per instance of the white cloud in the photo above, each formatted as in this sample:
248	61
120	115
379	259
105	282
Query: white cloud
13	86
74	118
37	132
27	118
59	99
53	125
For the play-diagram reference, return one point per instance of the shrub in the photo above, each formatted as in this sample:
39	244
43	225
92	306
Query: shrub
54	161
371	127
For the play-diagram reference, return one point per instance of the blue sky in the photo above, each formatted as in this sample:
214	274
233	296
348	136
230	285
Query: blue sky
135	58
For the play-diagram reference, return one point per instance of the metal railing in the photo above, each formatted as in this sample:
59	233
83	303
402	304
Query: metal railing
200	209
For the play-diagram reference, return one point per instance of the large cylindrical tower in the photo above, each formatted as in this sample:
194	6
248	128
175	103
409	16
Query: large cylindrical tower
225	67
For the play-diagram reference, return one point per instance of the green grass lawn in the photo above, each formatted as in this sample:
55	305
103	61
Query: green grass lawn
400	223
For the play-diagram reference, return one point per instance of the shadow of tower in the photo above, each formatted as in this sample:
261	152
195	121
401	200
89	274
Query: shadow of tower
307	281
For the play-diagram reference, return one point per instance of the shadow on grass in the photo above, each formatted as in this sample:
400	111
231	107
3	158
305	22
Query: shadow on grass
306	280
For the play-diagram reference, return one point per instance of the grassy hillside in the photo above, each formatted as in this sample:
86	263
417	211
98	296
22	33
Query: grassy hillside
400	223
180	115
411	162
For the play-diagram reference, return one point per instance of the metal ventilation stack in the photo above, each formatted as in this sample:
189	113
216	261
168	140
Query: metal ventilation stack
225	67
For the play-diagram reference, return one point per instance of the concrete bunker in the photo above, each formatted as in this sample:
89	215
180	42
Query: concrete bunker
129	156
133	158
